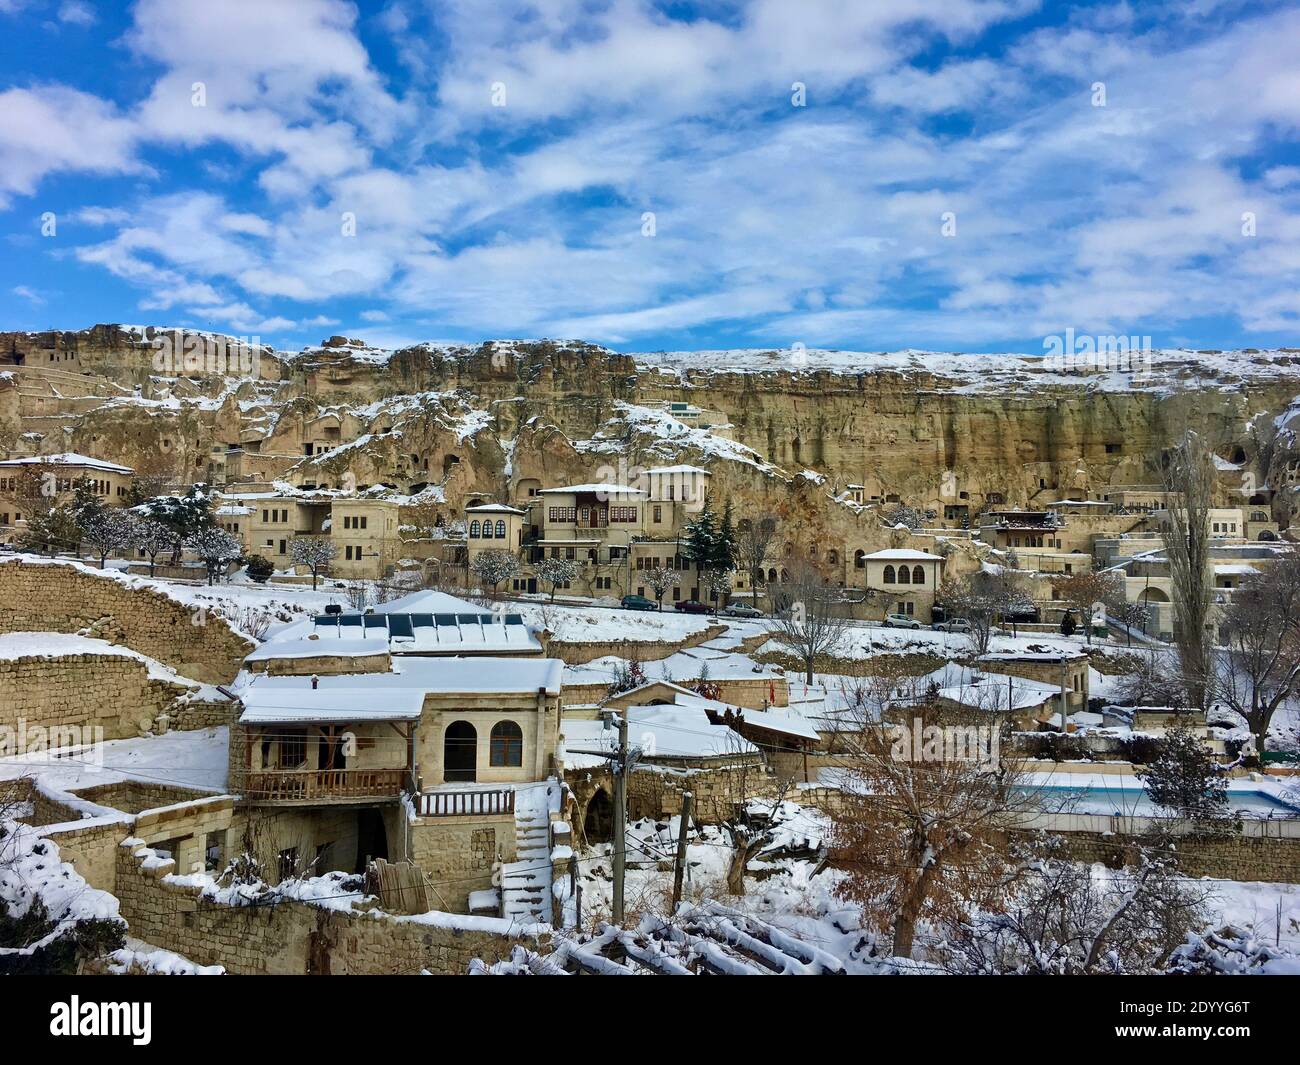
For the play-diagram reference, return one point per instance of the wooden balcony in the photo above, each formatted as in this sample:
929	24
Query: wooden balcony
323	785
468	803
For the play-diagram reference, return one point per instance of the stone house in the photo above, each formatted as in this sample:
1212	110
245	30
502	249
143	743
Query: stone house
110	481
902	581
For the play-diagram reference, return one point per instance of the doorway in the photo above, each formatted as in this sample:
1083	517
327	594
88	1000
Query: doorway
460	752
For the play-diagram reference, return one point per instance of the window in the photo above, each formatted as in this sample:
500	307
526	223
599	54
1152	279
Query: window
501	528
293	749
904	575
918	575
624	514
859	559
473	529
888	577
507	744
288	863
659	514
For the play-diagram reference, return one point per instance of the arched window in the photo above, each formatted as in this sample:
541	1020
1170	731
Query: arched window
859	559
771	576
889	575
501	529
904	575
473	529
833	557
507	745
918	575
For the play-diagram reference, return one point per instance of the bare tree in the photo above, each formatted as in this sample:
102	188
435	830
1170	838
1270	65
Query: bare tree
745	807
979	599
718	582
752	544
927	804
1189	479
106	530
314	552
809	623
659	580
1258	667
153	538
1083	592
494	566
1067	918
1154	681
557	572
216	547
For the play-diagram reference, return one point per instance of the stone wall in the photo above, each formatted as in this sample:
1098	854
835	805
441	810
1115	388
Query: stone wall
66	597
456	854
579	653
1233	857
287	937
136	796
81	691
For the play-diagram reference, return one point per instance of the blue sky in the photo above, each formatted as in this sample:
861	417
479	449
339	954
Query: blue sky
967	175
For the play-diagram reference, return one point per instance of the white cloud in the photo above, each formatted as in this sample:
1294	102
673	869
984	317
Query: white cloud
76	13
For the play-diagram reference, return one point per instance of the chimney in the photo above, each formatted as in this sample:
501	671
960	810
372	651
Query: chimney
315	682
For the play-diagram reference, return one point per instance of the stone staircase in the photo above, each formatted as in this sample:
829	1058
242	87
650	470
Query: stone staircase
526	882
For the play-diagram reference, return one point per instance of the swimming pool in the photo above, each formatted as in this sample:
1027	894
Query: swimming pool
1133	801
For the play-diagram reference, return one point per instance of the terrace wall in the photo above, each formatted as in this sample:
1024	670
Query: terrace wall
288	937
58	597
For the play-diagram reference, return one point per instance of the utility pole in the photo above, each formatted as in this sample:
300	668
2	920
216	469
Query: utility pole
620	818
679	866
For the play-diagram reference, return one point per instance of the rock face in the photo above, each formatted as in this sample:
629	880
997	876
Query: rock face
929	429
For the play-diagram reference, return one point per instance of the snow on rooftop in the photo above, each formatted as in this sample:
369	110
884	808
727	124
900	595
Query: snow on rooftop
607	489
663	731
904	554
393	696
68	458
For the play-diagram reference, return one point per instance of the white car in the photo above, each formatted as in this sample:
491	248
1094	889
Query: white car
901	621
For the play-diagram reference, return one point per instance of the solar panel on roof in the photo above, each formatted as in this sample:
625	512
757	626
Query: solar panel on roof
400	625
514	619
470	619
445	619
422	621
376	621
350	619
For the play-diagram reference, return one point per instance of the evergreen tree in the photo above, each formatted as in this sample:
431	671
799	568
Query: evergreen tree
702	537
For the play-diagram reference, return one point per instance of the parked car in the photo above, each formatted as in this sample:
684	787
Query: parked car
952	625
638	602
901	621
691	606
742	610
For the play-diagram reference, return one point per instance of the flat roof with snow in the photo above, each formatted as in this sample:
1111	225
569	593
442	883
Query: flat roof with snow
394	696
904	554
608	489
68	458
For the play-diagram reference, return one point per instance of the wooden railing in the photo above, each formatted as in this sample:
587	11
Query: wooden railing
461	803
287	785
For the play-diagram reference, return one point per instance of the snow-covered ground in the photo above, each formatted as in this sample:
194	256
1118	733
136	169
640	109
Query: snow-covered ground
196	759
576	624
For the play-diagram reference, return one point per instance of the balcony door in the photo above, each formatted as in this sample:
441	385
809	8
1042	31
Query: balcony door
460	752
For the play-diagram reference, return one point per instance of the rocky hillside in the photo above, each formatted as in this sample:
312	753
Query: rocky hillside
476	421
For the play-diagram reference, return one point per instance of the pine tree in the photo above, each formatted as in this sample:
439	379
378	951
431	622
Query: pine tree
702	537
